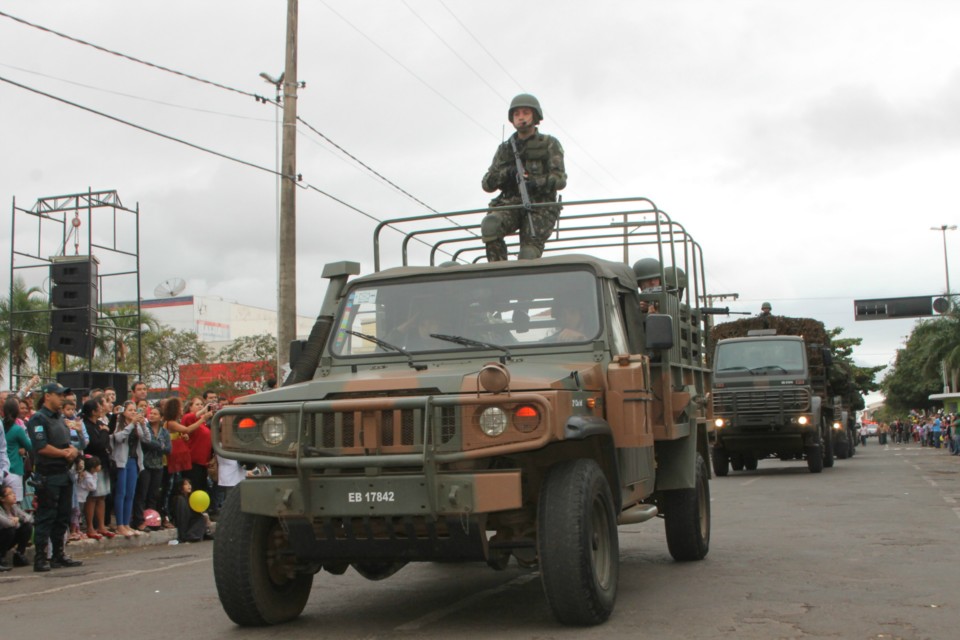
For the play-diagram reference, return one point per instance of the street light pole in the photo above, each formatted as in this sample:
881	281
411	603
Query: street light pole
946	265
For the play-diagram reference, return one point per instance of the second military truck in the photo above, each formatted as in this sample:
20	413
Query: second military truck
770	394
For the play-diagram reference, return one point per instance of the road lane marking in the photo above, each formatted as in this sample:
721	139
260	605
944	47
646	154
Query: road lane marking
950	499
931	481
125	574
743	484
956	510
432	617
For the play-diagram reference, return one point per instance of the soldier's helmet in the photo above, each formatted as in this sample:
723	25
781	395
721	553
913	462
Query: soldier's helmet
646	269
525	100
676	279
766	307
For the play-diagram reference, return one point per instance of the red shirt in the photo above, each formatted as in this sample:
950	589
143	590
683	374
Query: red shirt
200	442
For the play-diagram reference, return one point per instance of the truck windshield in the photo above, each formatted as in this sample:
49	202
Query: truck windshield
501	311
759	357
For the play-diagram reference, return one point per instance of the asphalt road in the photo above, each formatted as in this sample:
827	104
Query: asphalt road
867	549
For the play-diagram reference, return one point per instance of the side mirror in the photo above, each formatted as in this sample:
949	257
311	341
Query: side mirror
296	349
659	332
827	358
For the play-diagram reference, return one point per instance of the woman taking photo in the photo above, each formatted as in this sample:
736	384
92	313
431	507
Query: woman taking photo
128	456
99	446
180	460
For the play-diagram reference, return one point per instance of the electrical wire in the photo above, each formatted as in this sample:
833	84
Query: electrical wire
201	148
141	128
134	97
129	57
410	71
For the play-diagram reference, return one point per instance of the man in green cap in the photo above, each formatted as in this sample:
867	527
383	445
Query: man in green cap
50	438
541	158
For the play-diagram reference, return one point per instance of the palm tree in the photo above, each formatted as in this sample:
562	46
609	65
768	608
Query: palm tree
940	340
24	328
120	337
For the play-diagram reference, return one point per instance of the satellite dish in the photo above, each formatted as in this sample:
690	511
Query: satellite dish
169	288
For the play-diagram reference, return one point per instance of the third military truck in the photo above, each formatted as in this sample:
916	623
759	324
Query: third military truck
771	395
466	411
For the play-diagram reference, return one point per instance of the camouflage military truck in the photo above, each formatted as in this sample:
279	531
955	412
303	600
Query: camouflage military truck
478	412
770	393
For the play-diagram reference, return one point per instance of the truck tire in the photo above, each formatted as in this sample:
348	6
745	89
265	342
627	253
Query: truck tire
736	462
827	444
721	461
750	461
815	458
577	543
687	518
255	584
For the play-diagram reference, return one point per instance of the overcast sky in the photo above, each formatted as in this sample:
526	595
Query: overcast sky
807	146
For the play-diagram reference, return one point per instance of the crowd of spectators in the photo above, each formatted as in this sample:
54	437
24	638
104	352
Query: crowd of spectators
140	462
937	430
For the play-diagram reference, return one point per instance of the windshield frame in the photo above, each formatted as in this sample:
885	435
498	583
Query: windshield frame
760	368
461	287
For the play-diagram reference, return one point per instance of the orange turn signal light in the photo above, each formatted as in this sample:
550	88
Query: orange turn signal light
247	423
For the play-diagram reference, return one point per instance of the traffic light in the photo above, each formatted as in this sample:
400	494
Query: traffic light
888	308
73	297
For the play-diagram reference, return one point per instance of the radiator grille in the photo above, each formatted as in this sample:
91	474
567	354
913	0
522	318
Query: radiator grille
761	400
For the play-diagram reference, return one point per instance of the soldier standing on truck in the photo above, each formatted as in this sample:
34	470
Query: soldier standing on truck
527	169
765	309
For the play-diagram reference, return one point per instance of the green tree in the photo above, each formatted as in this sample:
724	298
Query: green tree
165	350
912	379
847	379
32	325
250	349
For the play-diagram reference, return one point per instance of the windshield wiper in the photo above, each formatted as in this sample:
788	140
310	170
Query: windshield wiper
386	345
467	342
767	366
732	369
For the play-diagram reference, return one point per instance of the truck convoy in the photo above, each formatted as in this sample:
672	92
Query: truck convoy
771	395
475	411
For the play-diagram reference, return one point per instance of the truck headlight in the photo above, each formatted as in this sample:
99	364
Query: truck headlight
837	426
274	430
802	420
719	422
493	421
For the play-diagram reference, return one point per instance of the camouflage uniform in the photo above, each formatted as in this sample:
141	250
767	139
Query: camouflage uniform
542	157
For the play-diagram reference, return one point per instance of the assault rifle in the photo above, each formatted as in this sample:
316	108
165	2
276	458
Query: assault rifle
522	184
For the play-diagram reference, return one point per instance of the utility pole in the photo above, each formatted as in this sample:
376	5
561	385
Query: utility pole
287	263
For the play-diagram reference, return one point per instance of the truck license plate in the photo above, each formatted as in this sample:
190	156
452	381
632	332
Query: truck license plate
370	497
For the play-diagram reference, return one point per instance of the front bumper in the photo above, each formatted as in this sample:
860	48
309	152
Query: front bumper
390	495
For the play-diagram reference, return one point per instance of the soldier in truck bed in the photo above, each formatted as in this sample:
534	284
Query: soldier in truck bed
542	158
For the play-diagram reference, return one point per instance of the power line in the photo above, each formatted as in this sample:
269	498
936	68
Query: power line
408	70
454	52
199	148
365	165
130	58
142	128
135	97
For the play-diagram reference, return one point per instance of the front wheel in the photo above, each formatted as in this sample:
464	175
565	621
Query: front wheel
815	458
721	461
577	543
828	450
255	569
687	518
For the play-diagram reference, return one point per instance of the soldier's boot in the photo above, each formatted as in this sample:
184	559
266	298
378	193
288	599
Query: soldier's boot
40	563
529	252
61	560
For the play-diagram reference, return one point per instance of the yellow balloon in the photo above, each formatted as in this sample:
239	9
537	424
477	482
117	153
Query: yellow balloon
199	501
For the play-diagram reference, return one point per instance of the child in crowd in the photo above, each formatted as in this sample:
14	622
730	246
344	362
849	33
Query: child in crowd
191	526
85	485
16	529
